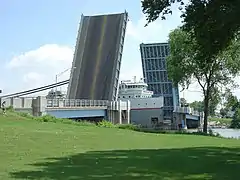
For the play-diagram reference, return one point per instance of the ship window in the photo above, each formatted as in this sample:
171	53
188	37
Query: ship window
129	96
123	96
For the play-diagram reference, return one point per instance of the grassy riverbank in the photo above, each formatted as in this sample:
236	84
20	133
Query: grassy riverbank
31	149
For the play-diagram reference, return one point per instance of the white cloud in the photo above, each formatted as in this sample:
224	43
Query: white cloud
48	55
38	67
144	34
32	76
156	31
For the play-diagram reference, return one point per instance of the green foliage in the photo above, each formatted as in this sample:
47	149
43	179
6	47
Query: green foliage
186	63
10	108
215	99
155	131
158	8
197	105
85	123
213	23
211	133
222	121
48	118
223	112
26	115
183	102
236	119
129	126
180	68
106	123
232	102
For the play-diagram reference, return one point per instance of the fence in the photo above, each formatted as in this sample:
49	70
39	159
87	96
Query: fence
187	110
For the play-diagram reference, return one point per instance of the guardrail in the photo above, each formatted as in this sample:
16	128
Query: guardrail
76	103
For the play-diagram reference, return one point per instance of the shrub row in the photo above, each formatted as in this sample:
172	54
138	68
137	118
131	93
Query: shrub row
108	124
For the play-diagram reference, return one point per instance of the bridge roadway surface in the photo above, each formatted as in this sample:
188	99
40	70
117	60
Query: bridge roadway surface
96	58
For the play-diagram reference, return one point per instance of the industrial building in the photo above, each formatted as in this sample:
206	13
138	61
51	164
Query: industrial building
97	58
155	75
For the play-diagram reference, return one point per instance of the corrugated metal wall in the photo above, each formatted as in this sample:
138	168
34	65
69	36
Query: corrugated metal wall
97	57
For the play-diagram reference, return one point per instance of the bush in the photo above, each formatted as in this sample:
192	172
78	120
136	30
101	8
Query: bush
108	124
10	108
49	118
85	123
236	120
26	115
105	123
128	126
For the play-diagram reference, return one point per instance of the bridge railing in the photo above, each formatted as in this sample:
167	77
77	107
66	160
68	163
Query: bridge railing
186	110
76	103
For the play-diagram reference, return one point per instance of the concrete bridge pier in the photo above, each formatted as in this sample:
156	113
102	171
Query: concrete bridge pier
39	106
119	112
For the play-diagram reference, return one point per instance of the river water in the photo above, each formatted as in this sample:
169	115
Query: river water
228	133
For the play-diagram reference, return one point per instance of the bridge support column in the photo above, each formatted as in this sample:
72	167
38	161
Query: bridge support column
128	112
119	112
39	106
184	121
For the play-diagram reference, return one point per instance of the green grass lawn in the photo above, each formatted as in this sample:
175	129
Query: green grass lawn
36	150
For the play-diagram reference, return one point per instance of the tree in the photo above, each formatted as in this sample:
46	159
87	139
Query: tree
236	119
223	112
214	100
183	102
232	102
213	23
186	63
197	106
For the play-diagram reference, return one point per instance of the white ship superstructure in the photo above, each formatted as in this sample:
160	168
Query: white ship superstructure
133	89
141	98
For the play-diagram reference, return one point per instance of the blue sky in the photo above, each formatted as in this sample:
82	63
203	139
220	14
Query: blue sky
37	39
